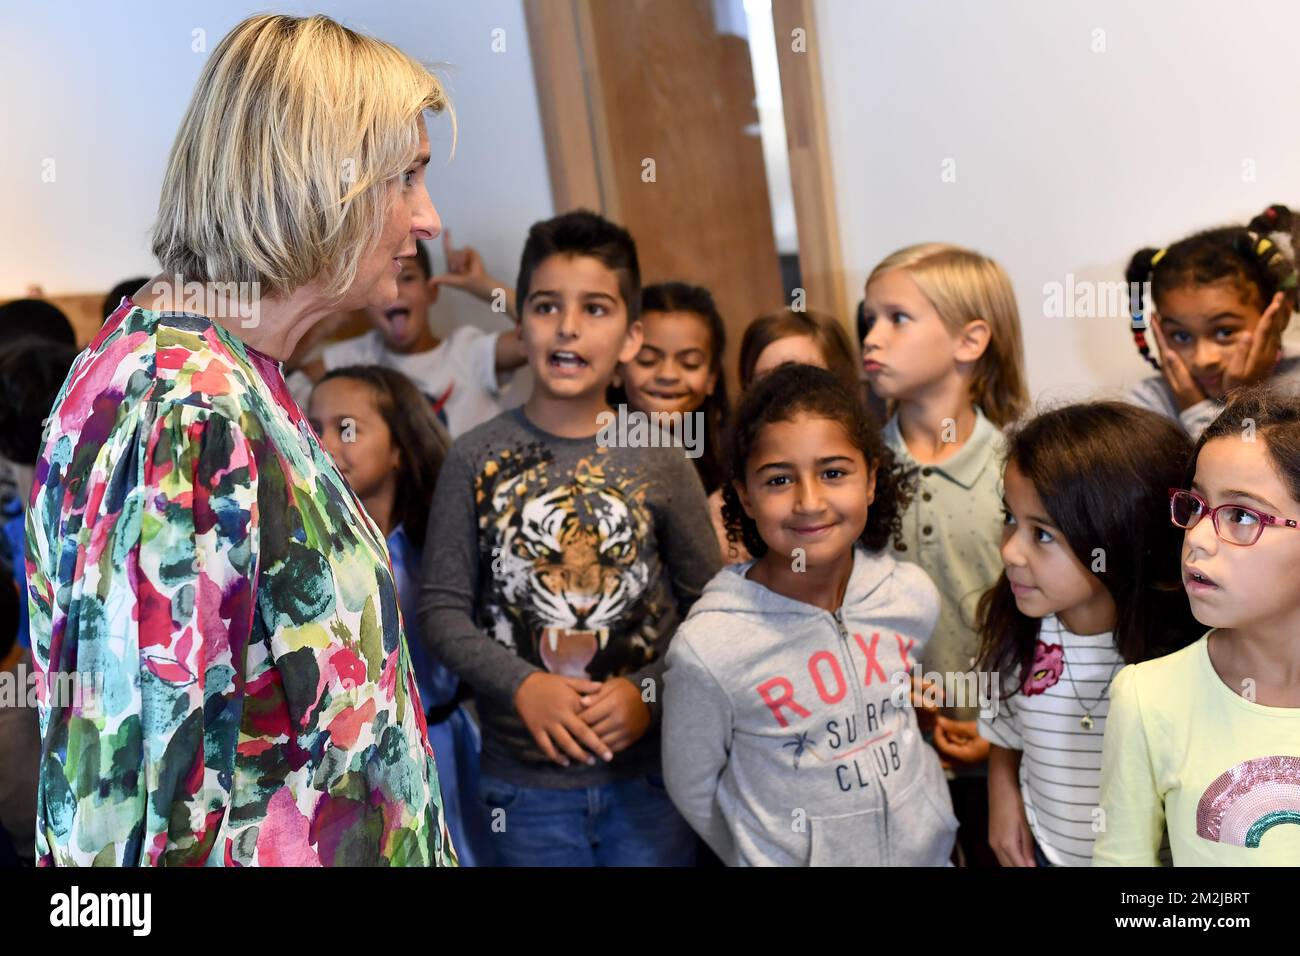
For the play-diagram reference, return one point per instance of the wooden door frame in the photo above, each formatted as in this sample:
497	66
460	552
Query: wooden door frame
577	148
564	70
808	144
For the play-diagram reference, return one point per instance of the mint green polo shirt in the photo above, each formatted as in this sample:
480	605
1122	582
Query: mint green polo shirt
953	529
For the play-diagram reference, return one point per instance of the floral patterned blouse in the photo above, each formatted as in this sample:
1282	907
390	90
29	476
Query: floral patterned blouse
194	555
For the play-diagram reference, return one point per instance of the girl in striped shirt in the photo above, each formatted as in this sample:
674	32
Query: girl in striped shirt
1090	582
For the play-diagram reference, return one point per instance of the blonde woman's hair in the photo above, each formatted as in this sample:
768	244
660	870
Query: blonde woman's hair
964	286
281	167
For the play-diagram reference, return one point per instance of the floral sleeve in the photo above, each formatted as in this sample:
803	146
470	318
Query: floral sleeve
166	530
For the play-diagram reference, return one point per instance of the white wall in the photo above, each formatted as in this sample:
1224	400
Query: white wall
1067	160
100	89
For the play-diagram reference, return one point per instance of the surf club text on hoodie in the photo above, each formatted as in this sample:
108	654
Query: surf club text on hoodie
789	738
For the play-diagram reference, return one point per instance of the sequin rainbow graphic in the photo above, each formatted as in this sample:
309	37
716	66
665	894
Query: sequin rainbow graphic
1240	806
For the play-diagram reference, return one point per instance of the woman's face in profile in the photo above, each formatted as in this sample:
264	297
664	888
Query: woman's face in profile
410	216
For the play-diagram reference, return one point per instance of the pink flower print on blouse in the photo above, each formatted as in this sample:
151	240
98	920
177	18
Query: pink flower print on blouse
1049	661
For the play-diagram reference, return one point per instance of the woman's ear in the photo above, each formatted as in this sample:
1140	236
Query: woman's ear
972	341
871	484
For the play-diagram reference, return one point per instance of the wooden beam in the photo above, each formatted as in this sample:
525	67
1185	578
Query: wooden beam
562	73
811	176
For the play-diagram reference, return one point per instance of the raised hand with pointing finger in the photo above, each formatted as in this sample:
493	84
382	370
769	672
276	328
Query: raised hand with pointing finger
465	271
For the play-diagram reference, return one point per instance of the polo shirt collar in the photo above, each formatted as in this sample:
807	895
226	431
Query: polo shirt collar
966	466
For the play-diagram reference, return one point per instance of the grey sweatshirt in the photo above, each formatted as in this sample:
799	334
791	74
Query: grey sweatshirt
789	736
557	554
1154	393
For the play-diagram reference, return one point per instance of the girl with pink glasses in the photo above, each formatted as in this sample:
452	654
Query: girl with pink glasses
1205	742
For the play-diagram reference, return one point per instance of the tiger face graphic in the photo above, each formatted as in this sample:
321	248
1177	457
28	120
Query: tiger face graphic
569	572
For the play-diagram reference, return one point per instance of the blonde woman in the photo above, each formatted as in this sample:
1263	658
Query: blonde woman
196	558
943	348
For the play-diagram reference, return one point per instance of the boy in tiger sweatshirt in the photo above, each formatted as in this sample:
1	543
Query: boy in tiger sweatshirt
558	563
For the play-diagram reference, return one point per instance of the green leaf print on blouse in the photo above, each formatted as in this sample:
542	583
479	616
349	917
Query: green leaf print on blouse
300	677
372	640
300	587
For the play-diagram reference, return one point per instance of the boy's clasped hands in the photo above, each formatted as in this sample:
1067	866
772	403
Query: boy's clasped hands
575	719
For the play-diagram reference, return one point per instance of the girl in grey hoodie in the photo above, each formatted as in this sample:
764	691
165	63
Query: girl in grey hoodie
789	734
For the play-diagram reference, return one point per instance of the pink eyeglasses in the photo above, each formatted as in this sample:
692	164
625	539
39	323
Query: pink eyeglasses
1240	525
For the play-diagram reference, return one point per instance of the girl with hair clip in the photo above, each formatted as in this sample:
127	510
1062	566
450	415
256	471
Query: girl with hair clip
1091	582
1204	743
382	432
1221	300
943	348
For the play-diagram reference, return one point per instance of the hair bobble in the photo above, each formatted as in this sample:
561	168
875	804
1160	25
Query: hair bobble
1140	324
1274	260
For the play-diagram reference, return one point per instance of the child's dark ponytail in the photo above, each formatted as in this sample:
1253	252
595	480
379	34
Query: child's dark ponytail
1137	275
1276	218
1276	263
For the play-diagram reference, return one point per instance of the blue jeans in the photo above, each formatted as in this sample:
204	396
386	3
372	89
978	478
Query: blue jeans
627	823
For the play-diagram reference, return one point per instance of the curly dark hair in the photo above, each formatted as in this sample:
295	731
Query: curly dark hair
780	396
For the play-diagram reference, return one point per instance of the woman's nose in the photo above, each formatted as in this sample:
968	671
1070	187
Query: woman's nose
425	221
